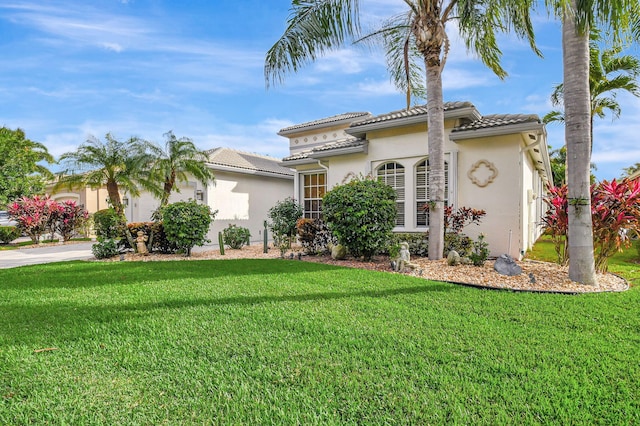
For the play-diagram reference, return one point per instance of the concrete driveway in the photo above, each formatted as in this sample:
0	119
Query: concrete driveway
37	255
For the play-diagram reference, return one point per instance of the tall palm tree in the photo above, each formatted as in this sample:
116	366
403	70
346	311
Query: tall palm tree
578	16
315	27
609	73
174	163
118	165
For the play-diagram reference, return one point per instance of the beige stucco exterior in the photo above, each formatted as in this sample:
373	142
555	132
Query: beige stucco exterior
501	169
241	195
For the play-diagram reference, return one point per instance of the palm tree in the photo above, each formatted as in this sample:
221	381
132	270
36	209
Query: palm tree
609	73
578	16
315	27
118	165
172	164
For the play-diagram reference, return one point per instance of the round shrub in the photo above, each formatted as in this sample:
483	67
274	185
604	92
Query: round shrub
106	224
186	224
314	236
284	216
236	236
8	234
105	249
361	214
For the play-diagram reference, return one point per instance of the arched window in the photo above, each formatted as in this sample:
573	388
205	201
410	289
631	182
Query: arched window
393	175
422	191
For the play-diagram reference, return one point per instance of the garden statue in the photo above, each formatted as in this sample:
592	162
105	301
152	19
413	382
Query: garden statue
404	259
141	243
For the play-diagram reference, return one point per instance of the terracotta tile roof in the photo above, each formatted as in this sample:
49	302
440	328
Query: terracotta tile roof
497	120
325	121
411	112
232	158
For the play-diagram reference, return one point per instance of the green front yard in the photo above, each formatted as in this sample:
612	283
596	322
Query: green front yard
288	342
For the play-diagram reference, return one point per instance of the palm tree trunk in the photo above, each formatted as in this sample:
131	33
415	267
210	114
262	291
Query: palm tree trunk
575	46
435	134
114	197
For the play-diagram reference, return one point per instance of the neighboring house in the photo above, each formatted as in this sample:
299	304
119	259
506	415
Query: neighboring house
498	163
246	187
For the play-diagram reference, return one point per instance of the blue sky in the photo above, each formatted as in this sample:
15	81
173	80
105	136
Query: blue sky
72	69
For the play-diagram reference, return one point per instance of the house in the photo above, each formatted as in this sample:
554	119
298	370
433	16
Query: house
498	163
247	185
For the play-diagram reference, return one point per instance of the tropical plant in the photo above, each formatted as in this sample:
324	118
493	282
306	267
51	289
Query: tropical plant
556	221
21	171
236	236
69	219
480	252
631	170
615	213
118	165
578	17
616	216
361	214
283	218
33	215
174	163
186	224
610	72
316	27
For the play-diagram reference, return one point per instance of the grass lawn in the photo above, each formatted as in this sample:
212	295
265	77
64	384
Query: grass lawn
288	342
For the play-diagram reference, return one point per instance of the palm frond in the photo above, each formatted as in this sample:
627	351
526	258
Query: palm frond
314	28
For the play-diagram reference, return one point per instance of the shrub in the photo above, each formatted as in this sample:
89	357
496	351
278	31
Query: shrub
459	242
69	219
556	221
418	242
8	234
33	215
106	223
361	214
186	224
480	251
104	249
283	217
236	236
314	235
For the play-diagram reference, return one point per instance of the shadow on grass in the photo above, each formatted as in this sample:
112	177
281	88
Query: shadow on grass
82	274
29	323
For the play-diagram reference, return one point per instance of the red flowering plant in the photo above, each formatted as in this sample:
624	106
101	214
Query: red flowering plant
556	221
33	215
69	218
615	212
615	208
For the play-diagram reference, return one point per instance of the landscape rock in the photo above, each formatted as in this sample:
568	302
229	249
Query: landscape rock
505	265
453	258
338	252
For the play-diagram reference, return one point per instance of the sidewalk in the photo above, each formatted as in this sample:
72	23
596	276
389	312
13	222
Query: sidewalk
48	254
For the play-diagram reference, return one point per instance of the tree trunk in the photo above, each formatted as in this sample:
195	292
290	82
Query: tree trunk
435	134
575	46
114	197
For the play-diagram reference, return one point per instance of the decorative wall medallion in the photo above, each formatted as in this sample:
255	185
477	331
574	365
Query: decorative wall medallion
296	141
335	135
315	138
324	136
305	139
482	173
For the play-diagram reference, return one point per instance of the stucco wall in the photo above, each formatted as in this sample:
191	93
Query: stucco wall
244	200
500	197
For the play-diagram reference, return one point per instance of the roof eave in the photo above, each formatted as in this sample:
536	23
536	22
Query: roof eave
264	173
364	149
495	131
297	162
305	129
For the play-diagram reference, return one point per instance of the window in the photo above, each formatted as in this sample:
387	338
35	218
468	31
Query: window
393	175
314	187
422	191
